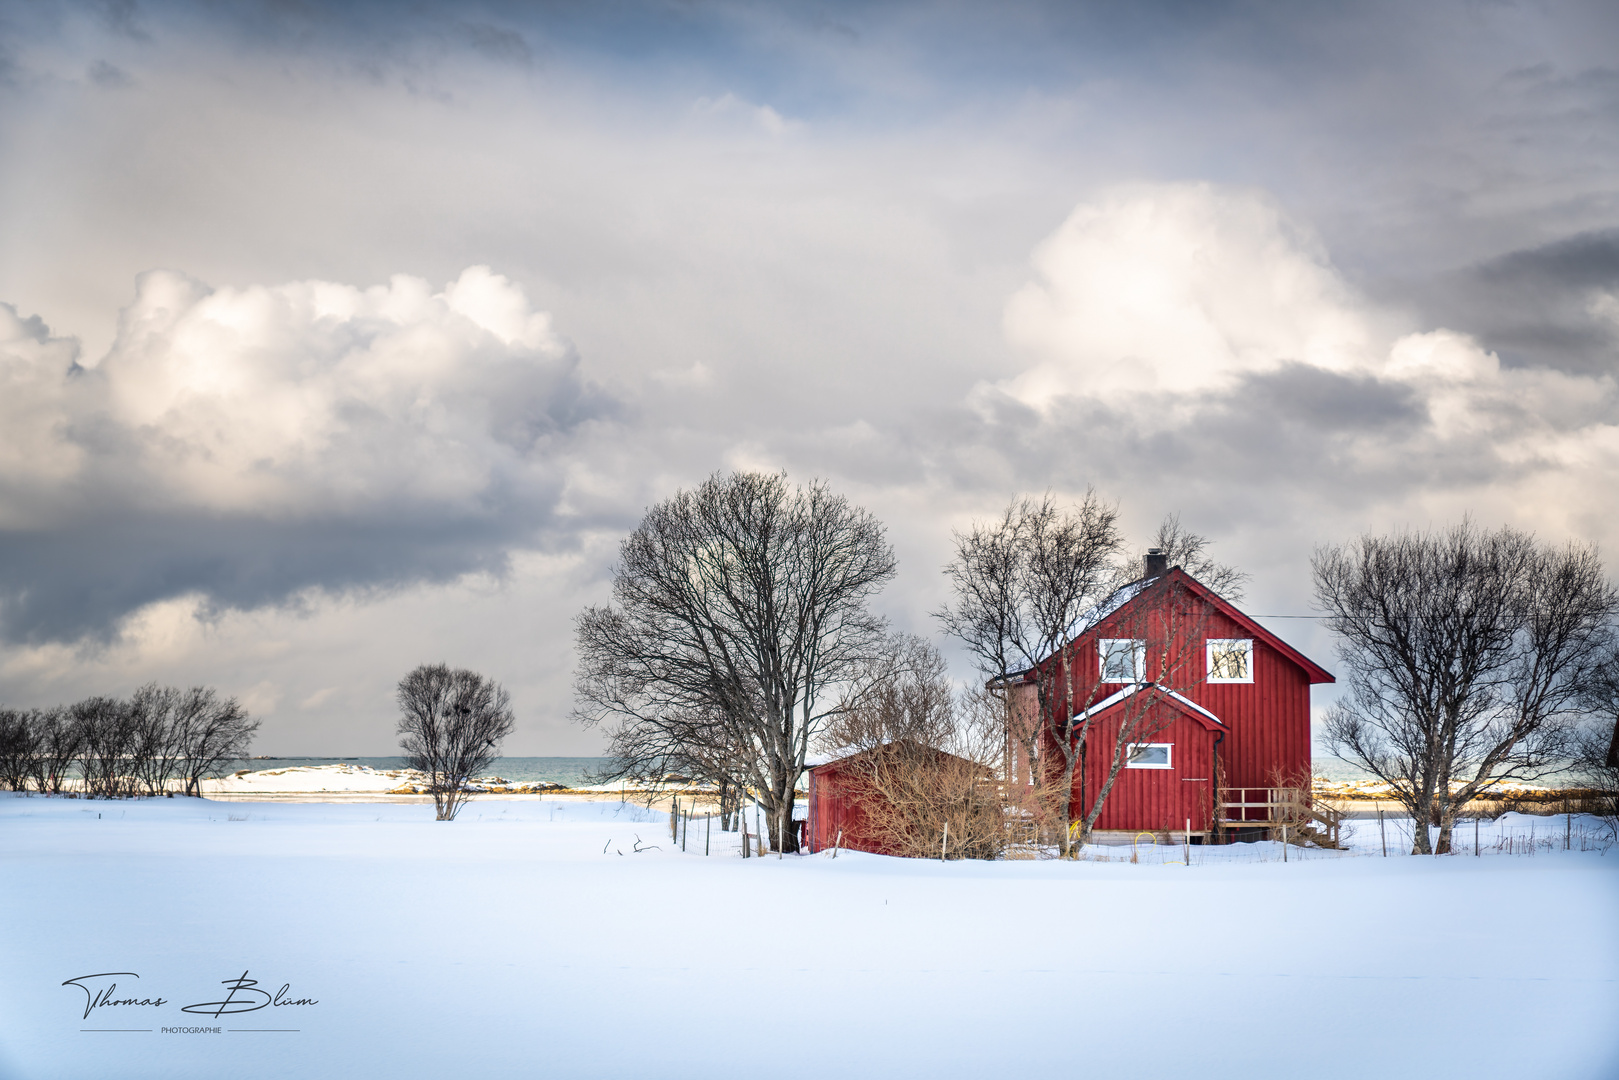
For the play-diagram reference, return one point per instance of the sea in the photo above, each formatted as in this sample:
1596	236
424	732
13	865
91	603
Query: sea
567	771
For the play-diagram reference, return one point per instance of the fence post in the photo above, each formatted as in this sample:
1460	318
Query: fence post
944	845
1382	832
708	830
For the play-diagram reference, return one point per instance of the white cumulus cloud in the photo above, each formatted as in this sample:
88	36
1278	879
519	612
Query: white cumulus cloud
251	442
1198	334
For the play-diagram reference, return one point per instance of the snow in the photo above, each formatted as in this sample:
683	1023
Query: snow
1114	602
345	780
530	938
1135	688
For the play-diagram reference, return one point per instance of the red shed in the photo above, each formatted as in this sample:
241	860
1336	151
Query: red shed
1223	702
838	816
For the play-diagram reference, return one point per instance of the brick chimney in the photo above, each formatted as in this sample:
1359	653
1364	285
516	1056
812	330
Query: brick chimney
1155	564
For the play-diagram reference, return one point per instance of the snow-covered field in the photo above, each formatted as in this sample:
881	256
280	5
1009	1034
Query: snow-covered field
518	941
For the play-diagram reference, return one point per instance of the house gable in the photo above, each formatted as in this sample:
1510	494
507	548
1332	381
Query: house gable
1117	608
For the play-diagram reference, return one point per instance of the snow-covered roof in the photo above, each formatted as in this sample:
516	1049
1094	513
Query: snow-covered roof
1135	688
1120	597
812	761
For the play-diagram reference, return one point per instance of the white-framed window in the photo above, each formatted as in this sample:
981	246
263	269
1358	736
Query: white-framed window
1231	660
1151	755
1123	659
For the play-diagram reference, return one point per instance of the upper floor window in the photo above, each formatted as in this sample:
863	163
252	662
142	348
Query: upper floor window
1123	659
1231	660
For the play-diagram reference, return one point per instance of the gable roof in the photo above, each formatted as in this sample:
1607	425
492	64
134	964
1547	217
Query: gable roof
839	755
1176	701
1126	595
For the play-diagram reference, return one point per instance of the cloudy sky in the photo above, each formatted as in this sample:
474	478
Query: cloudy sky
339	338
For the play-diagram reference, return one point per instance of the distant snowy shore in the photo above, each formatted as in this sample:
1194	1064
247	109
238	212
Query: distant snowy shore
360	780
345	782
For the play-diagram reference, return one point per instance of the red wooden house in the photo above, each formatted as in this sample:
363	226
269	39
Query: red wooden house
1216	709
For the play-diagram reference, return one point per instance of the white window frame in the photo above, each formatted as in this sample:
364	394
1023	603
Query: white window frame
1247	645
1138	649
1169	756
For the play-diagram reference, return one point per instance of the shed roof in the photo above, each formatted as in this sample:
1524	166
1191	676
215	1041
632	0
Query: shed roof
842	754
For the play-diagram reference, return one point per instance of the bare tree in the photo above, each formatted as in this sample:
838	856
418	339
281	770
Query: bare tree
211	735
18	748
922	759
106	747
1189	550
451	724
1468	653
1024	585
155	753
1595	755
59	738
739	616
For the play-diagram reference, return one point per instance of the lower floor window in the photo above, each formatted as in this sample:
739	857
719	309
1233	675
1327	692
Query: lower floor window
1150	755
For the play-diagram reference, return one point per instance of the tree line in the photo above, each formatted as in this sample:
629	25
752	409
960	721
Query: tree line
159	740
741	635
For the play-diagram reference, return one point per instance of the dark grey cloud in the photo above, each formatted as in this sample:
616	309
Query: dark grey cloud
498	43
108	76
78	579
1555	305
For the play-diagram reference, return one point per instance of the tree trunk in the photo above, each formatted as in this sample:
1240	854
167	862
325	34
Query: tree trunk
1447	822
777	816
1420	815
1101	796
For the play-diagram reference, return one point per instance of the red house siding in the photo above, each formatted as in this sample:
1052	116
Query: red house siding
1155	799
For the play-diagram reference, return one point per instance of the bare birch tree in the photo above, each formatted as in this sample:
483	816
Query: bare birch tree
1189	550
739	616
451	725
1024	584
1468	653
